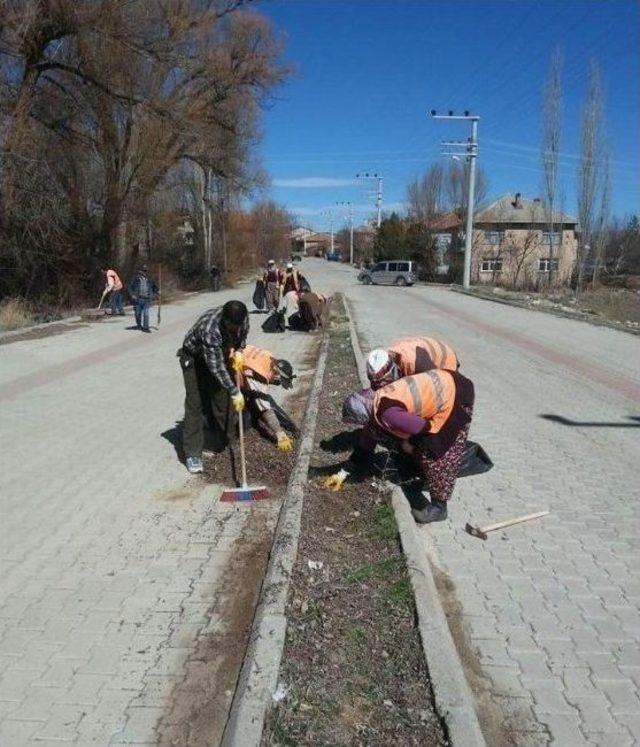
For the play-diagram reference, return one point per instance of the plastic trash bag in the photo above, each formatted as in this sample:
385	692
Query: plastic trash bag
259	295
475	460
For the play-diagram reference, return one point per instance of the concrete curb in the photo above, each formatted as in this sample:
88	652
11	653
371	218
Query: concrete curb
578	317
259	674
452	694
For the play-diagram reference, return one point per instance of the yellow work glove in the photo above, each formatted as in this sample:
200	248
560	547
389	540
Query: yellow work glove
334	482
237	400
285	443
237	361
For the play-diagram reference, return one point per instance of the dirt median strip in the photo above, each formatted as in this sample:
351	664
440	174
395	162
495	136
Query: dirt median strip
259	675
352	671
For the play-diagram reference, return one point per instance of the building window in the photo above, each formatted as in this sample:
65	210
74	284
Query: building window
493	237
491	265
556	238
545	264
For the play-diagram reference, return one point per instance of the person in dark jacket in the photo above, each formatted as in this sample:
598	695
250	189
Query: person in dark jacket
210	351
214	275
142	289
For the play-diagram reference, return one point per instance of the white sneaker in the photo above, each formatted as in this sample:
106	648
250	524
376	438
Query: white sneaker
194	465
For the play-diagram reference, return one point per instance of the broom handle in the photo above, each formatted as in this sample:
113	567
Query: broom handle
241	431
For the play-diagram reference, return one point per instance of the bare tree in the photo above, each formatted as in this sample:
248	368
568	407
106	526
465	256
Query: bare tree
105	98
551	141
457	188
601	230
590	165
524	248
425	196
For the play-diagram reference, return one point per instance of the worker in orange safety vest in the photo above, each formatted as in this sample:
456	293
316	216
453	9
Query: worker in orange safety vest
408	356
258	369
428	415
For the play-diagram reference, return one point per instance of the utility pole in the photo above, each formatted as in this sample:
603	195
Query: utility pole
349	205
378	178
471	154
329	214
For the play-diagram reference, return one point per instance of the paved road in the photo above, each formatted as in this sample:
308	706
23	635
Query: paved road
550	610
112	557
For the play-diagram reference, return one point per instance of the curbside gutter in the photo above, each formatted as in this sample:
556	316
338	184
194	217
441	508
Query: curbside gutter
8	334
452	694
578	316
258	677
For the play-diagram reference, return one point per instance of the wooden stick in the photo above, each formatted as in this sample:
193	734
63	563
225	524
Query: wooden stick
241	434
511	522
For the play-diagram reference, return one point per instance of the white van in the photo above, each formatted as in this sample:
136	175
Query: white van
393	272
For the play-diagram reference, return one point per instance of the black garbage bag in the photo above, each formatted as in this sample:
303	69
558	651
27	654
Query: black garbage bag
304	285
297	323
274	322
259	295
475	460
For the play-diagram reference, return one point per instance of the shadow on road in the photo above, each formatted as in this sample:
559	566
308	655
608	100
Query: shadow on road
591	424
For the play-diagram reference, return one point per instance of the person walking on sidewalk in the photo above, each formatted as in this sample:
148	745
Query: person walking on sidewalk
142	290
217	337
272	278
114	287
408	356
428	416
214	275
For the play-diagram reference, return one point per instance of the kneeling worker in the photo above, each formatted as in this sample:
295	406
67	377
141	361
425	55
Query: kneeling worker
408	356
259	368
209	387
428	415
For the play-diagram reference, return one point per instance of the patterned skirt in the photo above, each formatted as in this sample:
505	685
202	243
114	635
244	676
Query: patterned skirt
440	474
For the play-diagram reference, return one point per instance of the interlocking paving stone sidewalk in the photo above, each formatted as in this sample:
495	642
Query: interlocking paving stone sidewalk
111	555
550	608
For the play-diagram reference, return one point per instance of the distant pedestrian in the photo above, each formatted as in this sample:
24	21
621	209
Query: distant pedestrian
217	338
214	275
114	287
273	279
142	289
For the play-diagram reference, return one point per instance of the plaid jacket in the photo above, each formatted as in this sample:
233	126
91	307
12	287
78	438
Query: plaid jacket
207	339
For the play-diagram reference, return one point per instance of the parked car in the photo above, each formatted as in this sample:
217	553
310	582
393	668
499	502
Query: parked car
397	272
334	257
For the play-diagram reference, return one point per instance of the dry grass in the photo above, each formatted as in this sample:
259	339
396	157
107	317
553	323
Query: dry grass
14	313
619	304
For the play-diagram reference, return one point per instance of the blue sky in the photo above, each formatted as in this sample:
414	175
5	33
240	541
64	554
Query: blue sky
366	72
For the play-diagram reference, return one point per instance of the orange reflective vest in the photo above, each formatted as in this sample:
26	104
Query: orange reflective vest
430	395
261	362
415	355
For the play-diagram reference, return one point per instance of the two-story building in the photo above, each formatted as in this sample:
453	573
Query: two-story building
512	245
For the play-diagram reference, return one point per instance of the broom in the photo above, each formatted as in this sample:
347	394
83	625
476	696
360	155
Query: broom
244	492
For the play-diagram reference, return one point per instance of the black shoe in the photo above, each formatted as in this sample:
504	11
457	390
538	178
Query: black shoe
435	511
145	329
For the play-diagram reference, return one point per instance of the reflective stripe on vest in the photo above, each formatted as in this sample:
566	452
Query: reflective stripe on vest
420	354
430	395
260	362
